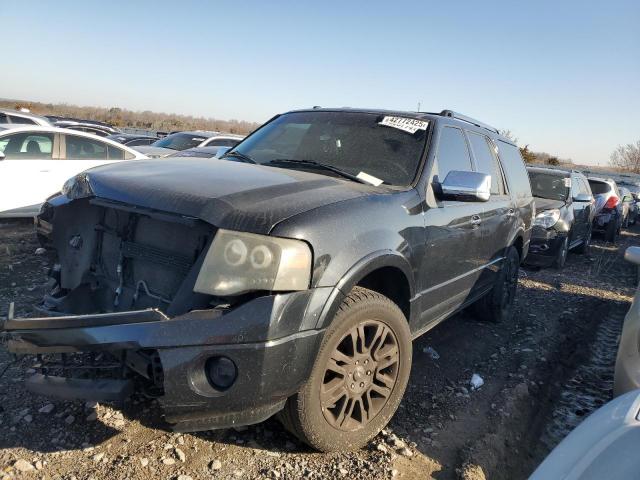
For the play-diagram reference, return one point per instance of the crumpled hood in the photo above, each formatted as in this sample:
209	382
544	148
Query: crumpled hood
227	194
543	204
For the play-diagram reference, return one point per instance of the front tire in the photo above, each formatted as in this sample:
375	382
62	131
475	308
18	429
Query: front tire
586	241
561	258
359	376
497	305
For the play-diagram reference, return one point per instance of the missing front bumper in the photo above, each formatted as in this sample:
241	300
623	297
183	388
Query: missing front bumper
269	370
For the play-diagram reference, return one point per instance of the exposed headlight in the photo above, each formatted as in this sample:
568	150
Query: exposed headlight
547	218
77	187
239	262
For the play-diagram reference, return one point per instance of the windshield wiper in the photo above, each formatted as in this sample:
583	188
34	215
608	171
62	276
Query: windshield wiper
243	157
311	163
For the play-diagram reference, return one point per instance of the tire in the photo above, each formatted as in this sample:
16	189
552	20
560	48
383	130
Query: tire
319	417
497	305
586	241
611	231
561	257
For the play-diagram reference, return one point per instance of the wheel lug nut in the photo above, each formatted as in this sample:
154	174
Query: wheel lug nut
353	385
368	372
366	361
361	384
357	362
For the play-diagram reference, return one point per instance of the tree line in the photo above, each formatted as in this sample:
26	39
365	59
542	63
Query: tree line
121	117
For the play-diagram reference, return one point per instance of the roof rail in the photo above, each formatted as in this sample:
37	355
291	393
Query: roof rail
464	118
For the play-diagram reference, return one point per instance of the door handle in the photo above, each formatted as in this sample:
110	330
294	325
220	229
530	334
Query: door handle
476	220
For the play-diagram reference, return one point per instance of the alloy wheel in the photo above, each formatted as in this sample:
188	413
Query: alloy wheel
360	375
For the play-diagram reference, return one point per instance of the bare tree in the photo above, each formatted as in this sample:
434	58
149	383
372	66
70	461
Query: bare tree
508	134
627	157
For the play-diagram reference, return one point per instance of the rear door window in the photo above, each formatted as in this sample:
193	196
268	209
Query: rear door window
81	148
487	161
517	176
453	154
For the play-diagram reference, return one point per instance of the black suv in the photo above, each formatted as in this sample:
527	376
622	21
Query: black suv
289	276
565	211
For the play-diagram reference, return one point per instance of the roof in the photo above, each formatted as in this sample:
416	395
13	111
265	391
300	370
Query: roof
33	116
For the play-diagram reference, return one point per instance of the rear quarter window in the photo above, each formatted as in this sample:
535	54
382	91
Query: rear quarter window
599	187
516	172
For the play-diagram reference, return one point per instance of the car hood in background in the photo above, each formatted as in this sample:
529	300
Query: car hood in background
151	151
543	204
227	194
603	446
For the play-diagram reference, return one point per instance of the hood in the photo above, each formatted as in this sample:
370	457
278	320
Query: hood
543	204
151	151
227	194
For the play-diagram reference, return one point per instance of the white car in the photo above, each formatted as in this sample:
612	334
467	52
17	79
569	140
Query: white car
23	118
35	162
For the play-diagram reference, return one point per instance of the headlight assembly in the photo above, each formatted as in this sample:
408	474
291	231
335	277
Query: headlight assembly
77	187
547	218
239	262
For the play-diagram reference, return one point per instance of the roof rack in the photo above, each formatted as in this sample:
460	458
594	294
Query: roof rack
464	118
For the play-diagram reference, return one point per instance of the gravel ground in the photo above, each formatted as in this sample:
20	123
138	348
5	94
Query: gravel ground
542	374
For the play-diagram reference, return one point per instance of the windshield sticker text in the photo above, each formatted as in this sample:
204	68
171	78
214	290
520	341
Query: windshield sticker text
410	125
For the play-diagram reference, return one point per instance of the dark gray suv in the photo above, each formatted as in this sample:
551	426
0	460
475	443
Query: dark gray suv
289	276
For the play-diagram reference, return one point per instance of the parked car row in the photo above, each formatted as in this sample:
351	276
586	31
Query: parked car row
38	154
570	207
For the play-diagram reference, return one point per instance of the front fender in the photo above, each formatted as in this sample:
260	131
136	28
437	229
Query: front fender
362	268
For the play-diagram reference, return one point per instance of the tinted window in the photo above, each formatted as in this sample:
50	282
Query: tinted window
598	187
223	142
21	120
352	142
486	161
517	176
115	153
34	145
139	141
81	148
180	141
452	152
3	118
549	185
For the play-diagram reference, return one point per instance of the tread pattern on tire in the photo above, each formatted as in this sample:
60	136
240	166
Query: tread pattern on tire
288	416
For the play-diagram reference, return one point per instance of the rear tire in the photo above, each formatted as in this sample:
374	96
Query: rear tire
358	378
497	305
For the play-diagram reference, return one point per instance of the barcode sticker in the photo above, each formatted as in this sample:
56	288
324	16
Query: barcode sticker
410	125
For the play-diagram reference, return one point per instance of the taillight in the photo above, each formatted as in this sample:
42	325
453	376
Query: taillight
612	202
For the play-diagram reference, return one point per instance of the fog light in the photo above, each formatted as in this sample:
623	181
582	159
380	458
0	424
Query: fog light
221	372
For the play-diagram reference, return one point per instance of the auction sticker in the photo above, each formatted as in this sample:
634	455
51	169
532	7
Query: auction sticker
410	125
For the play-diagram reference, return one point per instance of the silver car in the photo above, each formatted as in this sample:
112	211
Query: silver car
627	375
605	446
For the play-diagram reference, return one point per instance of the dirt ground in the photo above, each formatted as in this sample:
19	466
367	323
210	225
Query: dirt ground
542	374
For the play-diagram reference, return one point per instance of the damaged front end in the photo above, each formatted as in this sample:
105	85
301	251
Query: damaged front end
121	315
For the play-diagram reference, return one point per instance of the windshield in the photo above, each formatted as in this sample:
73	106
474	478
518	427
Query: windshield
352	142
548	185
179	141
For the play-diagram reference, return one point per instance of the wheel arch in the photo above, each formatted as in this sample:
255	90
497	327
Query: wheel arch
386	272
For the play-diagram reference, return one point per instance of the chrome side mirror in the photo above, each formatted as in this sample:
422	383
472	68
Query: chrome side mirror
582	197
465	186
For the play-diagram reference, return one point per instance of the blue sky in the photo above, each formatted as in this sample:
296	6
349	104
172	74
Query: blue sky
564	76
